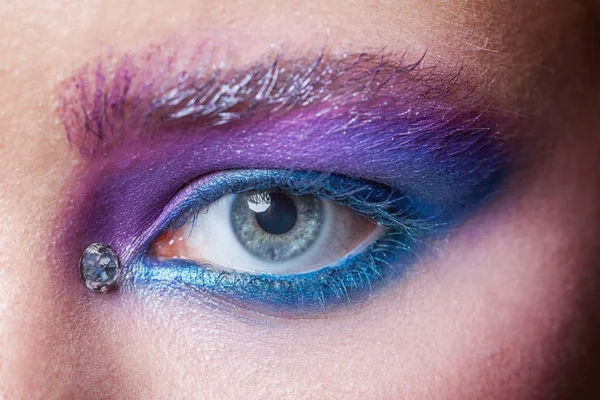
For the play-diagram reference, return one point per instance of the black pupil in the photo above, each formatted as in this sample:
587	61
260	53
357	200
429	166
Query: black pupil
280	216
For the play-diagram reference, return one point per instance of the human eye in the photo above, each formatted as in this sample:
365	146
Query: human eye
294	239
287	241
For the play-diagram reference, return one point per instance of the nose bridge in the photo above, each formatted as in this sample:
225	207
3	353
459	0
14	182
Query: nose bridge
53	344
31	355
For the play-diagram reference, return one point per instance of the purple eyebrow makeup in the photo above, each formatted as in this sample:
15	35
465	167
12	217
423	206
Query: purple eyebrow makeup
147	127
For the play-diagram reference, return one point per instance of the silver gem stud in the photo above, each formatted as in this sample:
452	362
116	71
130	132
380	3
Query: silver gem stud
100	267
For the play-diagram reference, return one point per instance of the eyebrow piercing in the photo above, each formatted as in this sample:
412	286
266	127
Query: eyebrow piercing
100	267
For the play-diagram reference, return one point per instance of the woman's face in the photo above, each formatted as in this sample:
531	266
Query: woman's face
466	134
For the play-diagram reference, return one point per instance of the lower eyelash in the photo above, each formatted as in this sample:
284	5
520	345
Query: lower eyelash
352	280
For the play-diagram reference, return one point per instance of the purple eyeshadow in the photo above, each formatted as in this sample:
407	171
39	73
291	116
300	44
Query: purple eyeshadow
143	141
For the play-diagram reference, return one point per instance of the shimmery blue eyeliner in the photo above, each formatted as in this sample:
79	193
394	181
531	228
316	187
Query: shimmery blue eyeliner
344	283
407	220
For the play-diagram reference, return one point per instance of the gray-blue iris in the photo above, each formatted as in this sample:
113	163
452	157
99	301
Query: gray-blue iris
274	225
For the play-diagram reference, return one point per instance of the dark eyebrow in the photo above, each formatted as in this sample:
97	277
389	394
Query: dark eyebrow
109	102
278	85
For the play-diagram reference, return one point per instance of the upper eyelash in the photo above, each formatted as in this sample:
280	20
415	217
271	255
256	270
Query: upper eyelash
388	207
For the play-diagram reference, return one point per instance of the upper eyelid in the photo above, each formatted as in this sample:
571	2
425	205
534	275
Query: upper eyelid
132	178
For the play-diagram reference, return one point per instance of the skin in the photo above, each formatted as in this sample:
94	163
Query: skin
505	309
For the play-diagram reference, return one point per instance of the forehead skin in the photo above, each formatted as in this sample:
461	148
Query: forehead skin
504	324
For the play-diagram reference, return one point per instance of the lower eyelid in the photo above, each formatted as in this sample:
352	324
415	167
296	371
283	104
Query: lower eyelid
321	291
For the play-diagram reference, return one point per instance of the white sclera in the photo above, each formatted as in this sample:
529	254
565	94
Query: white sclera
211	240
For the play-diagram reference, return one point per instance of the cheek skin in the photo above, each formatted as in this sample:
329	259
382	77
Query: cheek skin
495	314
519	296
